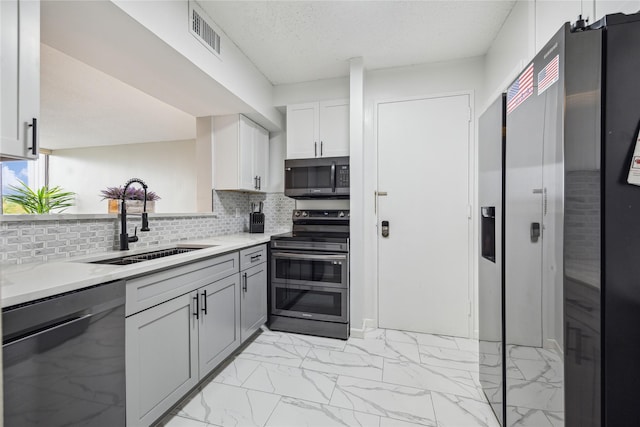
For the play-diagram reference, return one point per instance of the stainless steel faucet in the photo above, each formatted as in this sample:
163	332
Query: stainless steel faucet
124	237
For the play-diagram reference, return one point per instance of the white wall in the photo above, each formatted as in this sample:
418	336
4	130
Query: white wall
440	78
169	19
167	168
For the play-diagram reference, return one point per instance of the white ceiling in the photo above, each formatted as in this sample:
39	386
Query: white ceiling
289	41
296	41
83	107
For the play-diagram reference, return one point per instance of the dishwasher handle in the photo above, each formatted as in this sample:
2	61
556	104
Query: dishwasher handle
20	347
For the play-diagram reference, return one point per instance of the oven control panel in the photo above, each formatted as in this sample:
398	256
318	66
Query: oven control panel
320	214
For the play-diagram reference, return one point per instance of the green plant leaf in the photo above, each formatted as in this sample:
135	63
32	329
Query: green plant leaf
41	201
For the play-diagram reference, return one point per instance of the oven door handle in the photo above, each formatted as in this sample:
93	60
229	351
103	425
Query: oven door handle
309	256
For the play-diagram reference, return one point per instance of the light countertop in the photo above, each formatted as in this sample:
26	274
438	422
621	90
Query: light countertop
27	282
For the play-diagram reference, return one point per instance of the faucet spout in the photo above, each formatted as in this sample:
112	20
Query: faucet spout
124	237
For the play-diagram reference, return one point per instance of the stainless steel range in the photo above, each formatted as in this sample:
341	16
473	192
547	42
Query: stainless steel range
309	279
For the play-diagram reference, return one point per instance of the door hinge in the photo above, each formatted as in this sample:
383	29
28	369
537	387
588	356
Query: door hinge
469	213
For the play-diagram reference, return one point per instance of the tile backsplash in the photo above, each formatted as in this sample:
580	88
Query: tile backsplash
24	240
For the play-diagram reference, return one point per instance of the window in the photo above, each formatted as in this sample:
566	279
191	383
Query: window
34	173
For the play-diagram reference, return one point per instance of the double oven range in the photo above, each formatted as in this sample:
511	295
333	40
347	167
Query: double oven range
309	279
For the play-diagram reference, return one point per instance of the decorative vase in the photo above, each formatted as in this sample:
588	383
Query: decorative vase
133	206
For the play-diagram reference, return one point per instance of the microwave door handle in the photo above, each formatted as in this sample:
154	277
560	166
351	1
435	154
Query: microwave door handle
309	256
333	177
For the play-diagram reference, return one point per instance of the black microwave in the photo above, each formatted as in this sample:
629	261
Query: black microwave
319	178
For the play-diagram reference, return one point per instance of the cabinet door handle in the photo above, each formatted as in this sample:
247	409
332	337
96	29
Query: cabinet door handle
34	136
255	182
259	183
315	149
196	312
321	144
244	285
204	301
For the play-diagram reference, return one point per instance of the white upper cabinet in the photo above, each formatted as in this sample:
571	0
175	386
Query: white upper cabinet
240	154
318	129
19	78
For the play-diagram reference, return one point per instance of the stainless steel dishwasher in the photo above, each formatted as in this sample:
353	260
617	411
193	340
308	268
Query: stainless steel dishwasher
64	359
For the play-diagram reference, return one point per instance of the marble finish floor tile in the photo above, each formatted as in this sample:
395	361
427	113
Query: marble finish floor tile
525	417
236	372
297	413
183	422
281	354
293	382
467	344
535	395
225	405
431	378
341	363
388	378
455	411
383	348
540	370
449	358
387	400
390	422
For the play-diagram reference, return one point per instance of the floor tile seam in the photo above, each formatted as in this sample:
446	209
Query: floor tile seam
266	421
245	388
486	403
472	384
474	363
337	374
475	354
431	366
382	382
478	399
206	423
257	359
373	356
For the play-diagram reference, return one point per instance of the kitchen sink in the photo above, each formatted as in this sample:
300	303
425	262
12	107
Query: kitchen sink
146	256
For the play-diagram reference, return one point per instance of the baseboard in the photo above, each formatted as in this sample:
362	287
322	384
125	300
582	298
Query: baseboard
551	344
366	324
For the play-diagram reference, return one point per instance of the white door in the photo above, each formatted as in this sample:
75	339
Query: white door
424	265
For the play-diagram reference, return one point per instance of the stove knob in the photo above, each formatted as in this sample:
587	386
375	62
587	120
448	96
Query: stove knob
297	213
341	214
348	214
305	214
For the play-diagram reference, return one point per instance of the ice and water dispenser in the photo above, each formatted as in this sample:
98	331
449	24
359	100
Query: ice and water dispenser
488	232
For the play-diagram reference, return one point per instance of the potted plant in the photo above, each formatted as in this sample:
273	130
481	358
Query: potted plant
40	201
134	198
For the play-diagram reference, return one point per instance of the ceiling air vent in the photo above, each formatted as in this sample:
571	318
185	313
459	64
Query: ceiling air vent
201	26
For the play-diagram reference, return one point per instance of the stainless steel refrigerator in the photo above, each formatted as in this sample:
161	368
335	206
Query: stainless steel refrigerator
571	231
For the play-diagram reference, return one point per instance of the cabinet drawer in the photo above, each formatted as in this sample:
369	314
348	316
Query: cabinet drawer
253	256
156	288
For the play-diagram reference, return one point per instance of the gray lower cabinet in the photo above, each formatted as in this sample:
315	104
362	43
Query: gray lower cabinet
253	301
219	322
161	358
171	346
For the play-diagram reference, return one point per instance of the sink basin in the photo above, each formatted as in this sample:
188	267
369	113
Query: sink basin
145	256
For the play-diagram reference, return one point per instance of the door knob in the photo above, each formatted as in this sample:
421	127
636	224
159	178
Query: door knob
535	231
385	228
